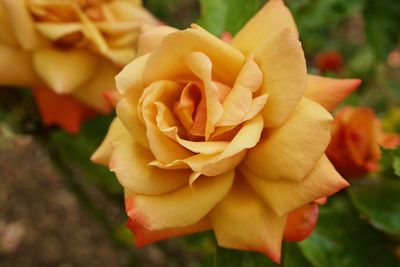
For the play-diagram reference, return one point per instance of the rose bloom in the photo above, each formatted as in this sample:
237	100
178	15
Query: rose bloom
329	61
356	139
225	136
72	47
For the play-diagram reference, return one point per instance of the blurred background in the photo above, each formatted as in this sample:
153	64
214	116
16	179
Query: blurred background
59	209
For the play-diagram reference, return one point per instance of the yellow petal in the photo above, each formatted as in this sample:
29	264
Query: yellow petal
151	37
58	68
282	62
55	31
121	56
201	66
329	92
269	21
16	67
22	23
93	92
239	100
182	207
130	163
103	153
166	124
283	195
292	150
243	221
131	77
167	60
7	35
125	11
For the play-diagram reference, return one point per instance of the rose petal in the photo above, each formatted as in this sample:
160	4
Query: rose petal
329	92
58	68
16	67
144	236
300	223
284	195
131	77
92	93
243	221
103	153
167	62
130	164
239	100
182	207
7	35
55	31
292	149
22	24
150	38
269	21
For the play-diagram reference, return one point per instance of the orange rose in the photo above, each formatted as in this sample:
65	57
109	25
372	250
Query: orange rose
229	137
72	47
356	136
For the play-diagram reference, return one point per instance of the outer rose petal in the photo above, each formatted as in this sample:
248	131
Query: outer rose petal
55	31
329	92
58	68
92	93
103	153
16	67
293	149
243	221
21	23
284	196
61	110
131	77
281	60
167	62
151	37
300	223
182	207
144	236
269	21
130	161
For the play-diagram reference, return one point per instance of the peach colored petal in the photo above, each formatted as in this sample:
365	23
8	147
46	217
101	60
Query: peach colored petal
167	124
182	207
144	236
167	62
16	67
269	21
201	66
130	164
55	31
281	60
239	100
58	68
285	195
151	37
131	77
7	35
243	221
125	11
292	149
329	92
21	23
390	140
92	93
300	223
103	153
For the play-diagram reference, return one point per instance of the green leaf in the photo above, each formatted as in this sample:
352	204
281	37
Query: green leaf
382	25
379	202
396	166
390	162
341	239
218	16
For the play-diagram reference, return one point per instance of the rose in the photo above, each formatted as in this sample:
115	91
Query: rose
73	47
356	136
224	136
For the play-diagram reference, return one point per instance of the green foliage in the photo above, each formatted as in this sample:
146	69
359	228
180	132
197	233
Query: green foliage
390	162
218	16
78	148
382	25
379	202
341	239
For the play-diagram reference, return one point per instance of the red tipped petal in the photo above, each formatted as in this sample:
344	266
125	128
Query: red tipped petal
61	110
300	223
